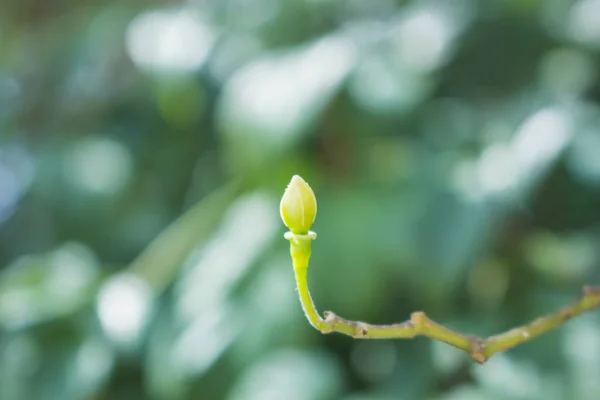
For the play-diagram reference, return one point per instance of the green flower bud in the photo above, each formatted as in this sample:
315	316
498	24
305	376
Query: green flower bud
298	206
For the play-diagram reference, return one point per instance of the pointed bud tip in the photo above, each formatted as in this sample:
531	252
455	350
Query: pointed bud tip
297	179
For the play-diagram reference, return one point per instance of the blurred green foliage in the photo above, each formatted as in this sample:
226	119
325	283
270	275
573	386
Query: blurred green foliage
454	147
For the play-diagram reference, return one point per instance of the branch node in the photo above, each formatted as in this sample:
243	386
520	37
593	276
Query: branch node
360	328
477	350
328	324
418	320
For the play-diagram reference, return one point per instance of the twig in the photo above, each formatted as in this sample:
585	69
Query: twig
298	210
480	349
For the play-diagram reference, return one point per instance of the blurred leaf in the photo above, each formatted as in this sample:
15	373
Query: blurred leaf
64	363
289	374
470	393
160	262
512	378
272	313
268	105
207	318
37	289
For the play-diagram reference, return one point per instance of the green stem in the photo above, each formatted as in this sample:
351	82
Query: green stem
300	252
307	303
419	324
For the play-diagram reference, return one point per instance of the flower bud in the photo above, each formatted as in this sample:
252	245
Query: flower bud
298	206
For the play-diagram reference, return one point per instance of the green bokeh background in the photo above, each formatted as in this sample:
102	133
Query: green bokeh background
453	145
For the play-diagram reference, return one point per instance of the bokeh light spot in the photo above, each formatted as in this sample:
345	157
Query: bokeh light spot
124	306
174	40
98	165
